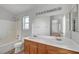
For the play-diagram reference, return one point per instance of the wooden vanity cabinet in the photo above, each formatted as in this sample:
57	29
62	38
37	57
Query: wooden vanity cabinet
52	50
31	47
56	50
42	49
26	47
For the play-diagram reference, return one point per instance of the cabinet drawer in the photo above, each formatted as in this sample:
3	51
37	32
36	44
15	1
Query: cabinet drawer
33	43
27	42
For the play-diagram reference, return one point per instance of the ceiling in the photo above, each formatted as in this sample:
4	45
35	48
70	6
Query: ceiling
19	8
16	8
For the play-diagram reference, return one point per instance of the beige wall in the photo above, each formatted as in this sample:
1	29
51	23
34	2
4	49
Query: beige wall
7	30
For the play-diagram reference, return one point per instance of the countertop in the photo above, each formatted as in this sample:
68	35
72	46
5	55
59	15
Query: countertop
63	43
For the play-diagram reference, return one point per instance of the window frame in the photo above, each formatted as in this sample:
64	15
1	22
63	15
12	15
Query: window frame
24	23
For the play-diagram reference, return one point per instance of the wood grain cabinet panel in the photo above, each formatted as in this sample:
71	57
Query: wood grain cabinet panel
26	47
30	47
52	50
33	47
42	49
65	51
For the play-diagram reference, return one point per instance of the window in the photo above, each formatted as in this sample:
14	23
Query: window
26	22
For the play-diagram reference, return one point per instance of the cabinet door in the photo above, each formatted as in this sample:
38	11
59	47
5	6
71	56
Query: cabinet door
41	49
26	47
33	47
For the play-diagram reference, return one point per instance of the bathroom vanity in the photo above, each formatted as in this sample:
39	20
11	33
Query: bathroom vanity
40	46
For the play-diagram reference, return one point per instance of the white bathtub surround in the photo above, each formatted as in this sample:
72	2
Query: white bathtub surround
7	35
6	46
64	43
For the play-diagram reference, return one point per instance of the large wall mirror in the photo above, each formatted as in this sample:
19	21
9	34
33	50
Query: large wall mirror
48	25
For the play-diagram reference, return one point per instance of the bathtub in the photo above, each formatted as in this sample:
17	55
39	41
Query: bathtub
6	45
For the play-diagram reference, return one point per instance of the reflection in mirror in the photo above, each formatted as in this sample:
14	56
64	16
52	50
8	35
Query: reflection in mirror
56	25
48	25
74	19
41	26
